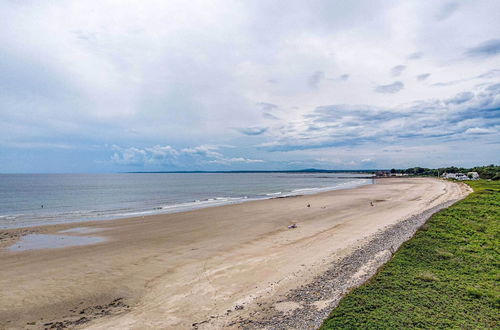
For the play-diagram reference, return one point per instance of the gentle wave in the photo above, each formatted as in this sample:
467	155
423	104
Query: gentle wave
315	190
45	217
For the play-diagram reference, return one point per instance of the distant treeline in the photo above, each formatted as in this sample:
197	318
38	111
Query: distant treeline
485	172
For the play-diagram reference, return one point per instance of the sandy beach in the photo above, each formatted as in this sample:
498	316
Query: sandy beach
225	266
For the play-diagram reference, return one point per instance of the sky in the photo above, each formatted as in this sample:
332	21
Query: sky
146	85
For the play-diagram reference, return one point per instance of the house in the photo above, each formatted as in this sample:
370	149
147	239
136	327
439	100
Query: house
461	176
449	175
473	175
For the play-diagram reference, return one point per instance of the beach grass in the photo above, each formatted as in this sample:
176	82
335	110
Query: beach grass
447	276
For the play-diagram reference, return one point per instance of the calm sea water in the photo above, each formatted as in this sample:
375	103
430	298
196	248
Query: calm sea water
79	197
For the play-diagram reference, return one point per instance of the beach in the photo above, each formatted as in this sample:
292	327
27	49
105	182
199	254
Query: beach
228	266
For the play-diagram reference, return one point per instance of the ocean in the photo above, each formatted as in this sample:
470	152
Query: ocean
39	199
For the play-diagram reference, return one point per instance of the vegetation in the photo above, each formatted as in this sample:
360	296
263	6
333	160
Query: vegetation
445	277
485	172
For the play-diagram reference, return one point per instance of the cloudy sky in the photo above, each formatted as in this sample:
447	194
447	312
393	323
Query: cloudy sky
103	86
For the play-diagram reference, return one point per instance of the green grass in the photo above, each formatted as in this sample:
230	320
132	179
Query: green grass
447	276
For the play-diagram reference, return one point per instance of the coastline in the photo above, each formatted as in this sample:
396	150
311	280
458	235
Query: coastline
88	213
430	274
343	275
212	267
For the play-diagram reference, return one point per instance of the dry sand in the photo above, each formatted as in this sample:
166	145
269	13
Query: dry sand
207	268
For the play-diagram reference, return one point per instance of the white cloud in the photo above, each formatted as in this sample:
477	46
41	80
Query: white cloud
479	130
227	161
138	73
167	155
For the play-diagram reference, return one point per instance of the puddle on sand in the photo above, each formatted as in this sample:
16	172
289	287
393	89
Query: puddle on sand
83	230
48	241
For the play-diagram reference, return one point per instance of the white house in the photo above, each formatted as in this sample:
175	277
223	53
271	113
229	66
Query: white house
473	175
461	176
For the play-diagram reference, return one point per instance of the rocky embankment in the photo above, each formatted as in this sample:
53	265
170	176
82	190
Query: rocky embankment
308	305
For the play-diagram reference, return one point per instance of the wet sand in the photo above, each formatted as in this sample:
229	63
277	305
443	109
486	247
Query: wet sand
207	268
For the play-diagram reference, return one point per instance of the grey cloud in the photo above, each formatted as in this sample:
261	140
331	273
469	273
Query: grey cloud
397	70
269	115
391	88
448	83
26	78
490	74
470	113
253	130
267	106
460	98
267	109
342	78
85	36
485	49
332	113
315	79
486	75
415	56
144	72
423	76
495	88
446	10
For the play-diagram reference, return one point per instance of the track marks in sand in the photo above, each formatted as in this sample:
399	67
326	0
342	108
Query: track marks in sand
80	316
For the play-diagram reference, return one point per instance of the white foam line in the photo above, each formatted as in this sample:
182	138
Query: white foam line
188	206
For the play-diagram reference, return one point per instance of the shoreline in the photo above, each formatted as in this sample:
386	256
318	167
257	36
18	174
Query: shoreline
206	268
183	206
339	279
11	235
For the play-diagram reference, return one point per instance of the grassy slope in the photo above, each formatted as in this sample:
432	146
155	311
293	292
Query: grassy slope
447	276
